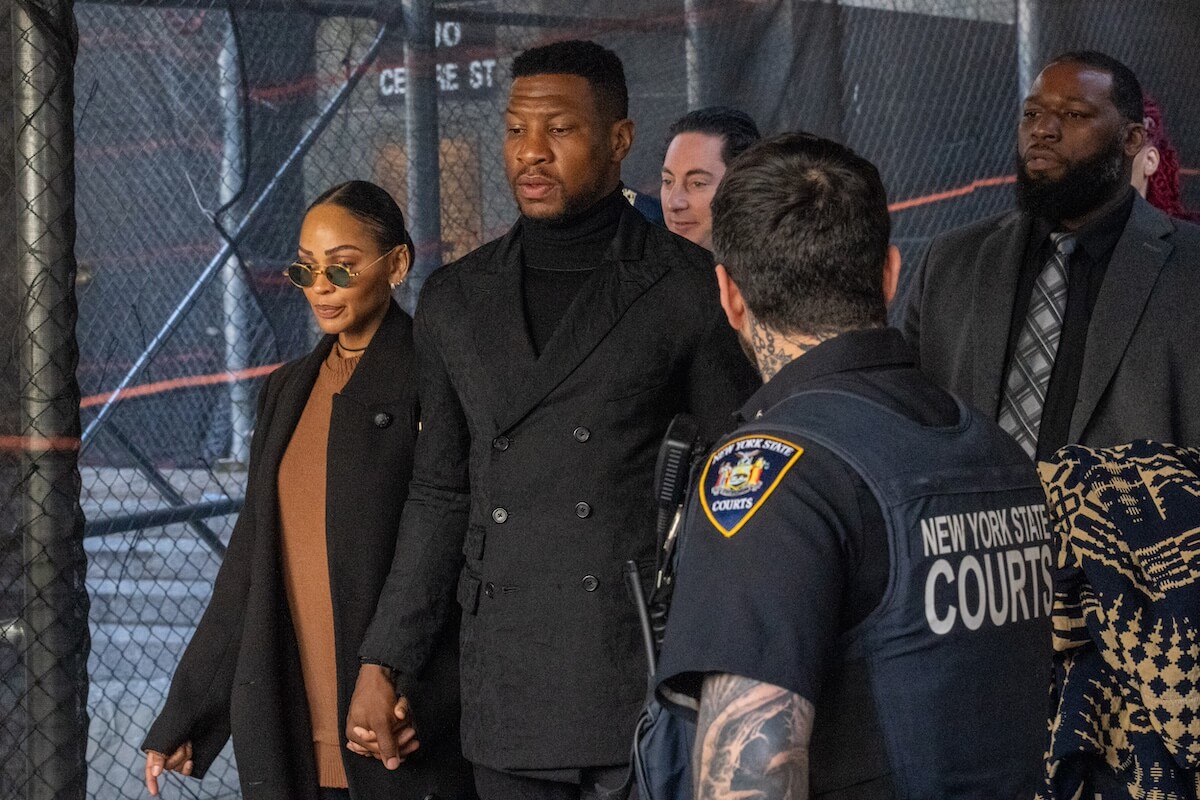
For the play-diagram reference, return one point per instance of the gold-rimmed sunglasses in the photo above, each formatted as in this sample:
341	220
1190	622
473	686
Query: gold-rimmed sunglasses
303	276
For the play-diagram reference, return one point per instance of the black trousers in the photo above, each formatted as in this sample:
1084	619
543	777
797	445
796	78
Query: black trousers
598	783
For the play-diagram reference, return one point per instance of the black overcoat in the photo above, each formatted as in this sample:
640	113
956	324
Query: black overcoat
540	470
240	674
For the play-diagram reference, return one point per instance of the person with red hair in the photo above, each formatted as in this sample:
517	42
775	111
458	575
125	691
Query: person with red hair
1156	171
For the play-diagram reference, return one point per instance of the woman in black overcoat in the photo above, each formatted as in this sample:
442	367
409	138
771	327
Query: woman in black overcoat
242	673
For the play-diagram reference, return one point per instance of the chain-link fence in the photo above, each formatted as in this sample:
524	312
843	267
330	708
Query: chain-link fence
201	131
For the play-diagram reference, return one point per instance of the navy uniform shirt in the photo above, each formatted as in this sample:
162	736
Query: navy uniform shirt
765	591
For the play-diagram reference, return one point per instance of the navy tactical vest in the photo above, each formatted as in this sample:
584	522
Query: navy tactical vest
941	692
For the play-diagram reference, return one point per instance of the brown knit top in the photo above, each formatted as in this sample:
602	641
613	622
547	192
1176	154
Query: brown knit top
306	563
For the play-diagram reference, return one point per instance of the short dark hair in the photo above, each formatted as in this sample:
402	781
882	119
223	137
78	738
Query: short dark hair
736	128
1126	90
599	65
801	224
373	207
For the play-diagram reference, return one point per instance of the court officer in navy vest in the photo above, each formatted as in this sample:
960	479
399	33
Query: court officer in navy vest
552	361
862	598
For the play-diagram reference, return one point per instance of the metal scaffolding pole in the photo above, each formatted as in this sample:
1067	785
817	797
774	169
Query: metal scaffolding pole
1029	46
422	141
169	493
55	636
235	293
693	52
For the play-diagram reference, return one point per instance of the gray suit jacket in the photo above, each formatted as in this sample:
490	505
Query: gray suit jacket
1141	372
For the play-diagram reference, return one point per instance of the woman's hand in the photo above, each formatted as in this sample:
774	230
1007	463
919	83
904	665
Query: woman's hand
180	761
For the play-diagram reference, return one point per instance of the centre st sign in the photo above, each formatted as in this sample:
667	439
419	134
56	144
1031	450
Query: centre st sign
466	62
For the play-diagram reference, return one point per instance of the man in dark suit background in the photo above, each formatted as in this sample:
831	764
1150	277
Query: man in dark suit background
552	361
1094	340
700	146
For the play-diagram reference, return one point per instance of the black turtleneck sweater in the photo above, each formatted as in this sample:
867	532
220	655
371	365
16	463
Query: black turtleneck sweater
558	258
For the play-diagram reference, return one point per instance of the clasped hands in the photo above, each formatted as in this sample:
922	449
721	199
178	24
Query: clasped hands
375	709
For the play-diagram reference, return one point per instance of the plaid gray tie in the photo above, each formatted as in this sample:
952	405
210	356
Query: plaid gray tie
1033	361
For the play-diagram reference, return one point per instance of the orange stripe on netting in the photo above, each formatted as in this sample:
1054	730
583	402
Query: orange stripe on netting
950	194
39	444
191	381
1189	171
160	387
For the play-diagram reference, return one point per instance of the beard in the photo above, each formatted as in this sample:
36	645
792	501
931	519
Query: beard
1086	185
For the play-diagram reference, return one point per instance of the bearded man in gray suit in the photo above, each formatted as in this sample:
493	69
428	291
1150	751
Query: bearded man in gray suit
1072	319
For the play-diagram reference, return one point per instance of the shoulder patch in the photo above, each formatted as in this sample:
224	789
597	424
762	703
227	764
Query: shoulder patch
740	477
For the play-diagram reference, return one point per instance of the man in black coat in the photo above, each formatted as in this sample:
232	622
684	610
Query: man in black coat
552	361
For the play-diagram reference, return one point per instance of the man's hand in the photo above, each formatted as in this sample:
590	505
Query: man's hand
403	731
179	761
378	723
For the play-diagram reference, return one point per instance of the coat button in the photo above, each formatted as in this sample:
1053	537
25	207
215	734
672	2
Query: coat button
590	583
583	510
501	443
382	420
500	515
489	589
581	434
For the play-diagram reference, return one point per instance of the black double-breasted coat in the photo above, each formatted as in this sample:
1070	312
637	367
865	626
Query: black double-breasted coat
240	674
533	487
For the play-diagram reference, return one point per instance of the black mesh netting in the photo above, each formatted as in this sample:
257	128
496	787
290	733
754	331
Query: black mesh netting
200	133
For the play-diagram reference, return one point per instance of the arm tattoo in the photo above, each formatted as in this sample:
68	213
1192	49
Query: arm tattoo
751	741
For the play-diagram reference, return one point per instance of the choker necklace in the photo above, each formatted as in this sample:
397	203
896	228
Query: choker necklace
345	349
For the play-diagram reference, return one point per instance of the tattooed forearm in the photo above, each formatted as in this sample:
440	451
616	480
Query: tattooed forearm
751	741
772	350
